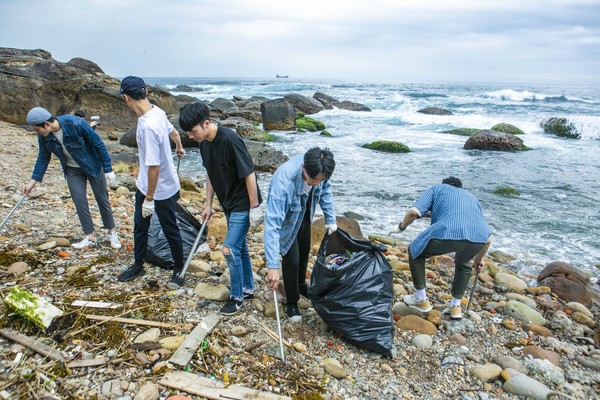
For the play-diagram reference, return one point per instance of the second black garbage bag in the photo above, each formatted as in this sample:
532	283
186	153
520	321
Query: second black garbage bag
351	289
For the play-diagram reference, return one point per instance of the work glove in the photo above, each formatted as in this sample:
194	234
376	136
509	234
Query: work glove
147	208
256	217
331	228
111	178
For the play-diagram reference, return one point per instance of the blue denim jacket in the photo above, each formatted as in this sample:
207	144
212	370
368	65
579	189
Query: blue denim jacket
81	141
285	204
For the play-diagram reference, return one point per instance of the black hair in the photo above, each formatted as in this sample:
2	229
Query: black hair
138	94
317	160
452	181
51	120
193	114
79	114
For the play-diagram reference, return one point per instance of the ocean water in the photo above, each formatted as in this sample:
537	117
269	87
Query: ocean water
555	217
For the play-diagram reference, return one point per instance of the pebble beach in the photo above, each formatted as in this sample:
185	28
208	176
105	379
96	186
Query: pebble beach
519	340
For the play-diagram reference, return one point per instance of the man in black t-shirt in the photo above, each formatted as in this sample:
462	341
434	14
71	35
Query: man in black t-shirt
230	175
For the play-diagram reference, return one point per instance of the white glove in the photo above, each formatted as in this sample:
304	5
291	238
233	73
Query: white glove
256	216
147	208
331	228
111	178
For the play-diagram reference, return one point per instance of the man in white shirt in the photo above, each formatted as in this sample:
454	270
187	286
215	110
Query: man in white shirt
157	182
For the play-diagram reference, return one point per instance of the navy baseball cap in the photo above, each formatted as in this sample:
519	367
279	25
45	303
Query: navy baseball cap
133	85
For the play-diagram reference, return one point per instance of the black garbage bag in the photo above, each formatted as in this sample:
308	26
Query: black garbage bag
354	297
159	252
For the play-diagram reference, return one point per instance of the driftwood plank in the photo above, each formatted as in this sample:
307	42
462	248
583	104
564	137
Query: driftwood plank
33	344
186	350
134	321
94	362
94	304
213	389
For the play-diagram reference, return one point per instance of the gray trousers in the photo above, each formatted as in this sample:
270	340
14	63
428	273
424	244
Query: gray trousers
77	181
464	250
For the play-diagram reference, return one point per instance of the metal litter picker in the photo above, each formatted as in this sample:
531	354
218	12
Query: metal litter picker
191	253
12	211
278	325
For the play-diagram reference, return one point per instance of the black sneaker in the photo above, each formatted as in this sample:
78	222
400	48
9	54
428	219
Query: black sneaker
293	313
131	272
248	296
176	281
231	307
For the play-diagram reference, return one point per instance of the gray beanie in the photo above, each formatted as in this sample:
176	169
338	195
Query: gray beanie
38	115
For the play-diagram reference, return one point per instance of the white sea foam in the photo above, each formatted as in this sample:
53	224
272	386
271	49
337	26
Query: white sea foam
516	95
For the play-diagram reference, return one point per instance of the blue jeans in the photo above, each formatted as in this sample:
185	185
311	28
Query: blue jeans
238	259
165	211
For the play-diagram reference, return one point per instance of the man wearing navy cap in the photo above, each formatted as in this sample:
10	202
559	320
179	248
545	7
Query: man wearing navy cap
84	158
157	182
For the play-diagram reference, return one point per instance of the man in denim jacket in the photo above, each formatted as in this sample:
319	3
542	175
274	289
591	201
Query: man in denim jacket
296	187
84	158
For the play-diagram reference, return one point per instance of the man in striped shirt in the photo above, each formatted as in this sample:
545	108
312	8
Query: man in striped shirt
457	225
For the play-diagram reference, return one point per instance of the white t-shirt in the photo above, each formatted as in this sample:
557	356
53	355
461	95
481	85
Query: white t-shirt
154	148
70	161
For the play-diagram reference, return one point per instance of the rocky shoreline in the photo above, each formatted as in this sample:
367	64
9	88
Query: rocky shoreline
518	340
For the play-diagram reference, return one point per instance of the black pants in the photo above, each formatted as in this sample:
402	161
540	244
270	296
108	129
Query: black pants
295	261
165	211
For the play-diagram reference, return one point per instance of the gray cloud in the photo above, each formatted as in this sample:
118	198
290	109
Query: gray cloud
508	40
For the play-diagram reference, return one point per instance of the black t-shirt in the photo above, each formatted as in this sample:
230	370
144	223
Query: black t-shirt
228	163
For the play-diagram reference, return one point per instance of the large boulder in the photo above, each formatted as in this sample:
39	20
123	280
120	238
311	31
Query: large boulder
568	282
30	78
560	127
434	111
349	225
278	115
331	102
488	139
265	157
306	105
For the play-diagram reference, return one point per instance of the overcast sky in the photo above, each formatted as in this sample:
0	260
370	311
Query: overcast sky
554	41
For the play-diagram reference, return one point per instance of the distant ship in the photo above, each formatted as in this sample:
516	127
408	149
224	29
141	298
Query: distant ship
281	76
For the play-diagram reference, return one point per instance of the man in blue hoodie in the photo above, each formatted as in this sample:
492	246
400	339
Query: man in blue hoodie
84	158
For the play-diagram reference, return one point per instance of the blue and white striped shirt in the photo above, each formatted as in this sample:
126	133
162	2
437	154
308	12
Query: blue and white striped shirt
455	215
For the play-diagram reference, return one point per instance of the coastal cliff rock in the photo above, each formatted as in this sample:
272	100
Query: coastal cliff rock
568	282
30	78
488	139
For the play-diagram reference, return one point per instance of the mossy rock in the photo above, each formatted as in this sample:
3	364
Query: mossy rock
387	146
560	127
462	131
507	128
309	124
326	133
506	191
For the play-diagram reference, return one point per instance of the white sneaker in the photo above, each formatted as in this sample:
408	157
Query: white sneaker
411	301
86	242
114	240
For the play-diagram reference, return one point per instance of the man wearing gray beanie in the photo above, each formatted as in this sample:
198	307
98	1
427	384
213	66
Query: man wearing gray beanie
84	158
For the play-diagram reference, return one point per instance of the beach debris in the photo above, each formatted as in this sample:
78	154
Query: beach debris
32	307
33	344
213	389
186	350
